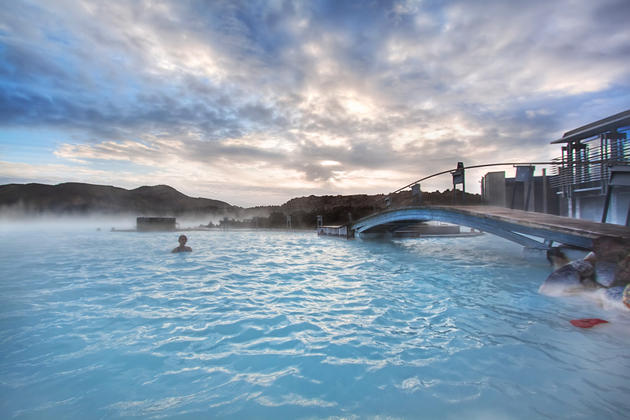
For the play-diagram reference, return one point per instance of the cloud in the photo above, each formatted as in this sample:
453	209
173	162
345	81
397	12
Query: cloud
248	93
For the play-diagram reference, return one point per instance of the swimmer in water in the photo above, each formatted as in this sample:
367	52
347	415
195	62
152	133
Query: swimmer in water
182	245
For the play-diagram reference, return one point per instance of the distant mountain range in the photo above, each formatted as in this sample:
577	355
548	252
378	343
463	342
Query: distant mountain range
162	200
78	198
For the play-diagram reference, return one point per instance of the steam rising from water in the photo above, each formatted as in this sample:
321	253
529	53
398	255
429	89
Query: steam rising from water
52	221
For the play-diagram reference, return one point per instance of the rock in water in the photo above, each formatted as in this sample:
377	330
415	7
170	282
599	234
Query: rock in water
610	249
622	273
614	293
573	277
612	254
606	269
605	273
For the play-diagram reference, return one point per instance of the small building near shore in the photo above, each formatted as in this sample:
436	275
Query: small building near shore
154	224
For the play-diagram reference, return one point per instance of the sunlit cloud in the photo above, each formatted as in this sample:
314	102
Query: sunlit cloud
255	103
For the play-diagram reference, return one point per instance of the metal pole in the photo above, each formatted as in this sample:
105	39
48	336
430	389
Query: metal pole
514	185
544	190
606	204
463	187
572	168
526	195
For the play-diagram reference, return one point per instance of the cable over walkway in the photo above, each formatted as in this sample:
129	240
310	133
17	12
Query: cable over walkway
515	225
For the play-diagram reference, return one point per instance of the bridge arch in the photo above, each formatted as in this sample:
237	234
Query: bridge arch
391	220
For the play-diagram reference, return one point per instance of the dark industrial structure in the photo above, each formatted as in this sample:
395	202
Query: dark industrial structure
525	191
153	224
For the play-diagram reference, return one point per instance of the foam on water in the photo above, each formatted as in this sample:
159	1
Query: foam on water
257	324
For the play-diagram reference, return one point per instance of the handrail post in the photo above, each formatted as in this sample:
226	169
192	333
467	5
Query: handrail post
459	178
417	194
545	191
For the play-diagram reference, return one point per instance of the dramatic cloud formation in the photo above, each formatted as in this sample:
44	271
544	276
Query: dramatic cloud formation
257	102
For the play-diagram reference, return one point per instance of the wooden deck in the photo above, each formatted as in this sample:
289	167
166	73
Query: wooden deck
545	221
516	225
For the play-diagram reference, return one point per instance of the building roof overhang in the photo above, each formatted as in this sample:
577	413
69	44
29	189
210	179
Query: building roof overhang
598	127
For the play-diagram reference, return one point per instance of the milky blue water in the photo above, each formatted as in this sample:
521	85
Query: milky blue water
269	325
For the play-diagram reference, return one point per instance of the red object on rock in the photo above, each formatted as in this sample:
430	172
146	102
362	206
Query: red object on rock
587	322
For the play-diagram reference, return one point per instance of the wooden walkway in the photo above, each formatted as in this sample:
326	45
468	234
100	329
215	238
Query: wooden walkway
547	221
516	225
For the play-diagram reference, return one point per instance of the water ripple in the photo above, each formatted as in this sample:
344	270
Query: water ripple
286	325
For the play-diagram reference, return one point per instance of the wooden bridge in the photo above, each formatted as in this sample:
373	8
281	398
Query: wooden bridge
530	229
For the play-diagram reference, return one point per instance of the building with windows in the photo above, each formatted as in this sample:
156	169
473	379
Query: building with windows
590	180
593	178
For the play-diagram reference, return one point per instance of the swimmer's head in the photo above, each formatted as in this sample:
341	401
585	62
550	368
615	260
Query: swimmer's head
182	239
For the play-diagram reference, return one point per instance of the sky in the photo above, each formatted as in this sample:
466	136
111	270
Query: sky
256	102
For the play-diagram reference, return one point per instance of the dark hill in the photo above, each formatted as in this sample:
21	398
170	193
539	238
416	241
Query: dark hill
87	198
340	209
162	200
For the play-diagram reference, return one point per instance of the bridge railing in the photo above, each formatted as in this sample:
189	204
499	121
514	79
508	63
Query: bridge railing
459	172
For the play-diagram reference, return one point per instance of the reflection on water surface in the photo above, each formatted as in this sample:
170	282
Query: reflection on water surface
288	325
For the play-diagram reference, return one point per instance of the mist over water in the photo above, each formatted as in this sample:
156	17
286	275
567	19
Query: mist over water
264	324
61	224
91	221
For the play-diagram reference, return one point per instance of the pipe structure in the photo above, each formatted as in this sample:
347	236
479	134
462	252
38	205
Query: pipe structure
472	167
485	165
